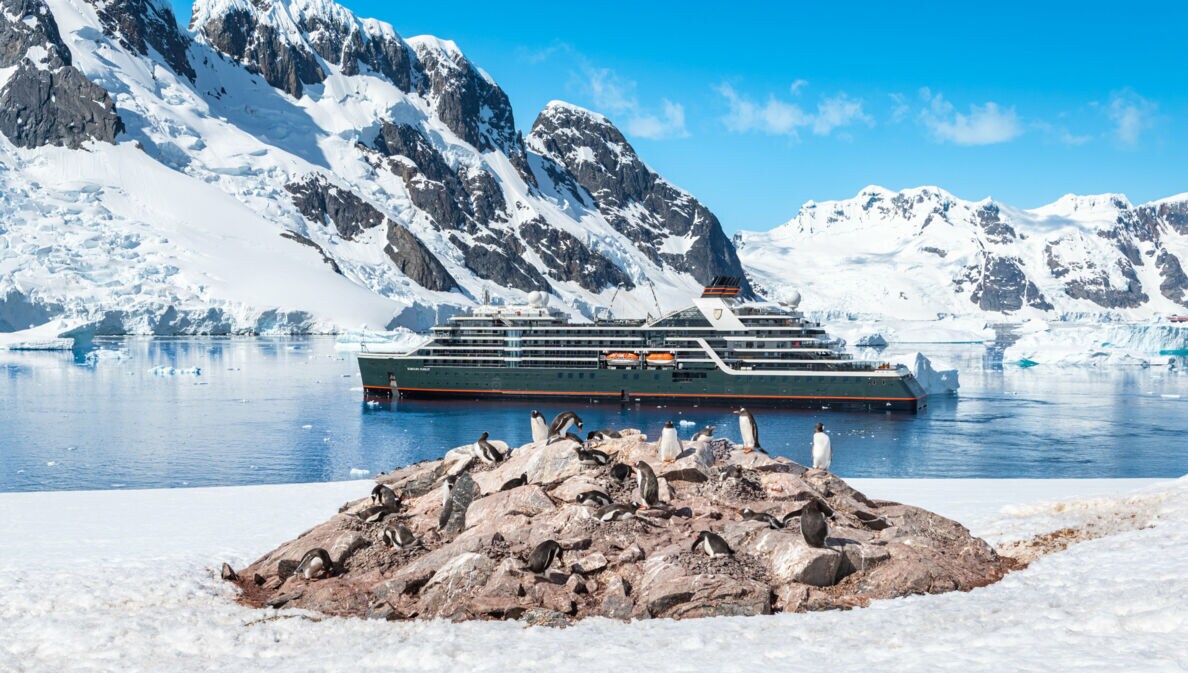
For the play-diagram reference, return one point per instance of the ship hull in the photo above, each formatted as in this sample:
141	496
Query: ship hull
410	377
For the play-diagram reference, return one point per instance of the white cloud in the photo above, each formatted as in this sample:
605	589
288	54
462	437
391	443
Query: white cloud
984	125
1132	114
777	117
797	86
615	95
670	125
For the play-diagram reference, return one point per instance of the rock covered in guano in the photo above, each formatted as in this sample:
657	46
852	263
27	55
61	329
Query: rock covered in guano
473	563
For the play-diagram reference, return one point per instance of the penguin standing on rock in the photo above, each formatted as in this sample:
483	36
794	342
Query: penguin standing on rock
543	556
315	564
540	429
649	488
487	451
749	429
591	457
812	525
562	423
712	544
447	505
670	443
383	496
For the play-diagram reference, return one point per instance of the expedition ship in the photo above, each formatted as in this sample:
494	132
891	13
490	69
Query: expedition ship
718	350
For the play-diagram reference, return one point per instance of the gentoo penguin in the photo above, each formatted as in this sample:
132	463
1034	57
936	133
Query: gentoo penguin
594	499
543	556
670	444
400	537
315	564
712	544
620	471
649	488
384	496
751	515
603	435
618	512
749	429
812	525
540	429
514	483
447	506
487	451
591	457
822	449
561	423
374	513
705	434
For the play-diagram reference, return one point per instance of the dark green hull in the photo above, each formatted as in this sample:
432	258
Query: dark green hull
411	378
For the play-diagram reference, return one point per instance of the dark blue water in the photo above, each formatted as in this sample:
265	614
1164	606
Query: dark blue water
291	410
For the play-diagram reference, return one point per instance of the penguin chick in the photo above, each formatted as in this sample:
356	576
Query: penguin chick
621	471
712	544
617	512
592	457
486	451
543	556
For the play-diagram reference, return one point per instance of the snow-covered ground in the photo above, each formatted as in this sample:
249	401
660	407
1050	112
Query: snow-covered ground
122	581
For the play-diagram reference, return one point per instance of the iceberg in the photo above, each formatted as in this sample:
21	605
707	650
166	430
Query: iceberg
935	381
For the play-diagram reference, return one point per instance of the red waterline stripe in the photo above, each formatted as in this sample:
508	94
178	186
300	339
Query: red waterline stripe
631	394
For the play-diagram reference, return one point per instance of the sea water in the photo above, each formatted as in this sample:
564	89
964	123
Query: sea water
148	413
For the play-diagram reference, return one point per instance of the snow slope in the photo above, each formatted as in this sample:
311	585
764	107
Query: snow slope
923	253
122	581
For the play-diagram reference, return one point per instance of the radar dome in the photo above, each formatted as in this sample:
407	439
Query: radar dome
791	299
538	299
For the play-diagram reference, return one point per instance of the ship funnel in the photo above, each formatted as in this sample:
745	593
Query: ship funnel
722	286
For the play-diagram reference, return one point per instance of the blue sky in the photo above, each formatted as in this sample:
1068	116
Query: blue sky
758	107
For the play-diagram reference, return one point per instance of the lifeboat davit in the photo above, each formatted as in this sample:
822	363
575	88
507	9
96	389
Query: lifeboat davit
661	359
622	360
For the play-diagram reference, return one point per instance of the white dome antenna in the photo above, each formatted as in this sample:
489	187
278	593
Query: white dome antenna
538	299
791	299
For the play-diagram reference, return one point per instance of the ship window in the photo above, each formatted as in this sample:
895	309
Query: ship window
581	375
637	377
624	377
570	375
656	376
560	374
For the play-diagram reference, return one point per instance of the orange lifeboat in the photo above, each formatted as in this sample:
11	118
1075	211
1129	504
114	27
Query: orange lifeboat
661	359
622	360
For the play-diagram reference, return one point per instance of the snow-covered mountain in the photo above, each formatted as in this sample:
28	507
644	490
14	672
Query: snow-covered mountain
921	252
284	165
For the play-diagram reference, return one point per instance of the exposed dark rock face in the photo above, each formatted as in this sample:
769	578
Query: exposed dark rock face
500	260
1098	289
326	203
634	199
567	258
469	103
415	261
293	236
41	107
1001	285
465	200
1175	282
283	64
29	23
997	230
140	24
353	48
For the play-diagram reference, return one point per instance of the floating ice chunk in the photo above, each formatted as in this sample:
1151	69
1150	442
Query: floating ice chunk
173	371
935	381
356	472
875	340
372	404
51	463
686	423
1170	396
307	426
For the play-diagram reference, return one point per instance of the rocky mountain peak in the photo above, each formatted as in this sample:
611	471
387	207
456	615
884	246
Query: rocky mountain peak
141	24
663	221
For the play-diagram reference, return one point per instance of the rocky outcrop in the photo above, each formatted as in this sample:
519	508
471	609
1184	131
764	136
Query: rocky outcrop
143	24
263	49
663	221
1175	282
46	100
1001	285
61	107
25	24
298	238
470	562
468	101
415	260
325	203
567	258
